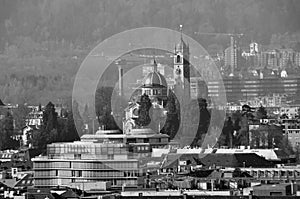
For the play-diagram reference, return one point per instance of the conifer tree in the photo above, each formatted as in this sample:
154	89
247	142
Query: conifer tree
172	121
143	113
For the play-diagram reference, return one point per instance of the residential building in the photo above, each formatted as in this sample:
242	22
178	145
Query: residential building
291	128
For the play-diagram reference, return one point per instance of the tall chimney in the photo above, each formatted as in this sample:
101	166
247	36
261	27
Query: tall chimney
120	69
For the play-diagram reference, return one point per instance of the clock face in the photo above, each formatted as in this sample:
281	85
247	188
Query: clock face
178	71
135	112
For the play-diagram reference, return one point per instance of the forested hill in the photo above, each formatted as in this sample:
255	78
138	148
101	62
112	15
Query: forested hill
49	38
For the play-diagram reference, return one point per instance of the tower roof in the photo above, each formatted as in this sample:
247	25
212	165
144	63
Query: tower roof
181	44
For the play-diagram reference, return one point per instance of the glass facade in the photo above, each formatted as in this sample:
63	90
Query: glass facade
85	162
99	157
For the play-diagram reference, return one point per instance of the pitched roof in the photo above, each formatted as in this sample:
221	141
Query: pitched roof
69	194
26	181
235	160
9	182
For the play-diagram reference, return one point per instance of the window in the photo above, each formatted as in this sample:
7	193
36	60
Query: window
148	92
77	156
110	156
178	59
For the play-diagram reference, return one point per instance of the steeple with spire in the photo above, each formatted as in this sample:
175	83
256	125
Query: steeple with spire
182	68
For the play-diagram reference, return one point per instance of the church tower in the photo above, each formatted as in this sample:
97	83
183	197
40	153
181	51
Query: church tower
182	68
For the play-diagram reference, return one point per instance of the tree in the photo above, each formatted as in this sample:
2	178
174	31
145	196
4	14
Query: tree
103	108
246	116
72	133
228	132
68	132
261	113
77	117
172	121
20	115
7	132
86	115
204	121
88	124
143	112
297	47
49	117
49	129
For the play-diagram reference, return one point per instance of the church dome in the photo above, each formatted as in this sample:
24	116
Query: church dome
155	79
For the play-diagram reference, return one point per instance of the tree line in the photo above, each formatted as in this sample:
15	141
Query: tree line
54	128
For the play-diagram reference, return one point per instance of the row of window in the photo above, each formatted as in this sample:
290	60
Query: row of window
148	140
109	156
55	182
293	132
154	92
86	165
92	149
274	174
52	165
105	165
89	174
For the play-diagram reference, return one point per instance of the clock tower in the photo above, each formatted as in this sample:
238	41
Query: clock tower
182	68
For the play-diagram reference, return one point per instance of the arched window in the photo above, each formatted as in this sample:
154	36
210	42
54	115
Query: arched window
178	60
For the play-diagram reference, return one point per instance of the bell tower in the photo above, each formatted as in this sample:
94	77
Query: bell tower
182	68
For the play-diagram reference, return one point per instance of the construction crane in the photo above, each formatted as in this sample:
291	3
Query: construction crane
214	33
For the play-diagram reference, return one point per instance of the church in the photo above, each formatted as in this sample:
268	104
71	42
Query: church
155	86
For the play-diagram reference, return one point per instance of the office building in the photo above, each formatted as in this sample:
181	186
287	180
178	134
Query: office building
237	89
106	156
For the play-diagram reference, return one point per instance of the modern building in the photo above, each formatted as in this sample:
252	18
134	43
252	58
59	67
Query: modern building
69	163
105	156
237	89
233	58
